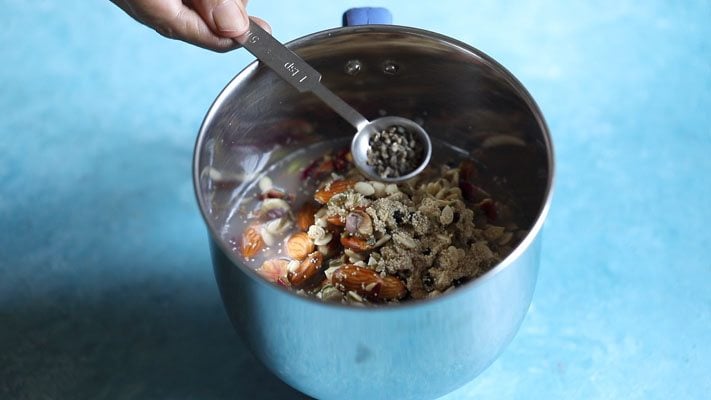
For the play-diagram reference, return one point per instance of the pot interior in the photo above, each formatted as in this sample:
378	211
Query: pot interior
471	107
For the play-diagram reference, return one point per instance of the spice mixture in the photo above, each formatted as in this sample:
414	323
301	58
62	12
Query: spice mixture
394	152
361	241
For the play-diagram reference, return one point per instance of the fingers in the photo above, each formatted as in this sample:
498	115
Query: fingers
240	39
187	25
226	18
122	4
217	25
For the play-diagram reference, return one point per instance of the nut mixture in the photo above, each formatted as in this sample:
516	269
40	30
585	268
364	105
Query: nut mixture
360	241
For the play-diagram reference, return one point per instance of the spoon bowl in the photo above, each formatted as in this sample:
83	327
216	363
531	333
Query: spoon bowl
361	145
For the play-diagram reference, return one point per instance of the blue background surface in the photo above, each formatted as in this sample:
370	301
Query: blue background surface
106	286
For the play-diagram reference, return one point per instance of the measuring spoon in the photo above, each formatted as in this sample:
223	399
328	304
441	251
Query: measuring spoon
304	78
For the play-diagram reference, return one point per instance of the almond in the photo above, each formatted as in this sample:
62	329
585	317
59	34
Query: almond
351	277
356	244
252	241
392	288
335	220
368	283
324	194
305	216
298	246
364	188
304	275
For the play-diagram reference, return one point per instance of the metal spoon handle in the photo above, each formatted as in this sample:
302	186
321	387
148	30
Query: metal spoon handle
297	72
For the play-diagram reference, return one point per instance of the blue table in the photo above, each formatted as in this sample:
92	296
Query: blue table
106	288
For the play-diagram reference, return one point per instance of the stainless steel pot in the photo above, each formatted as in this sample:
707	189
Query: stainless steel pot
413	350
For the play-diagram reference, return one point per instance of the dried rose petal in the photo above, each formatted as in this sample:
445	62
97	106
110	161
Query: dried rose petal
275	213
341	160
468	171
472	192
276	194
489	208
318	168
308	172
274	270
325	167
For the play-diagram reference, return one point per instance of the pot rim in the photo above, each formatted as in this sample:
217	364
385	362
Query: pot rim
459	291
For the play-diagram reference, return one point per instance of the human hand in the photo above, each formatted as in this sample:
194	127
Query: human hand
212	24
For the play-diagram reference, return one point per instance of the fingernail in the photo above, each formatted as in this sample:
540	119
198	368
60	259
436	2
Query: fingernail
229	18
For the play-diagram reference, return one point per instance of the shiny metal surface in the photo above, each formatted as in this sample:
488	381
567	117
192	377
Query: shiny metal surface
414	350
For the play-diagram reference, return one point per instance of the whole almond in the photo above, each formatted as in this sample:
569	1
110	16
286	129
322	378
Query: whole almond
352	277
252	241
392	288
324	194
305	215
335	220
306	273
368	283
356	244
298	246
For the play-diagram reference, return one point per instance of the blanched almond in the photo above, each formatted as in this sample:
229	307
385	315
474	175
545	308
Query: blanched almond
298	246
265	184
324	240
364	188
391	188
278	226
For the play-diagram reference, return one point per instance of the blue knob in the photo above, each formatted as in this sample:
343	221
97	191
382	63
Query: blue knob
366	16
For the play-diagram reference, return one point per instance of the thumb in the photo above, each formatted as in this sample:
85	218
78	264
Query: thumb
226	18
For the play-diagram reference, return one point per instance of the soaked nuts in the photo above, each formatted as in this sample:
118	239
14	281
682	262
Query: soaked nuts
299	245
